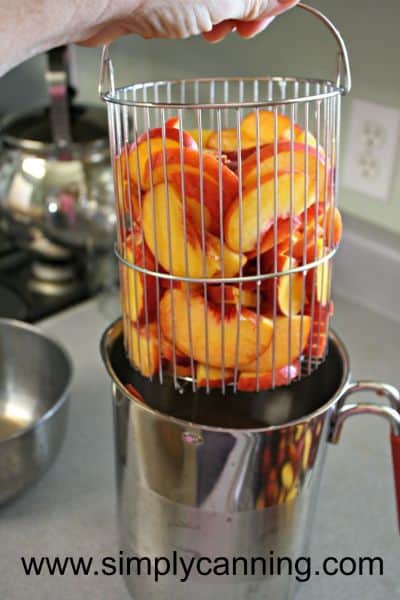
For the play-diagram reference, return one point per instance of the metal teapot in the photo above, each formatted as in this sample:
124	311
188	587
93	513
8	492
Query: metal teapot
56	187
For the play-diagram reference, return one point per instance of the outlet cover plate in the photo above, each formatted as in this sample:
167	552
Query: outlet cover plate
370	153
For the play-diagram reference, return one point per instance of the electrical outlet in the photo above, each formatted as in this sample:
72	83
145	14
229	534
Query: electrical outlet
370	155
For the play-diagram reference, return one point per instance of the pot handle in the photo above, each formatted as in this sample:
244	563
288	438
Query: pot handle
390	413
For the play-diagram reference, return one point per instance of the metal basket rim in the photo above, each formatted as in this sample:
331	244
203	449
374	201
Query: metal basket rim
226	280
111	96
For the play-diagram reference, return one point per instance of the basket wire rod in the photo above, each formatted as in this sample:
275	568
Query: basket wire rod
222	245
148	125
240	200
329	149
158	324
121	221
203	245
258	257
270	92
327	241
170	252
275	280
315	275
185	251
334	141
291	212
143	245
212	101
226	101
295	116
305	225
113	152
129	275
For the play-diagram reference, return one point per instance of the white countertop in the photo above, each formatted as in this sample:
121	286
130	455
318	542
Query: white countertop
71	511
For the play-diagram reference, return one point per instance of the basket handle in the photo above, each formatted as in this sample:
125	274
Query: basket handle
343	74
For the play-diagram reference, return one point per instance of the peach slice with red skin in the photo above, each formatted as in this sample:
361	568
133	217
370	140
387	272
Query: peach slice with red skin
153	141
283	160
138	290
229	143
283	229
220	350
232	295
168	352
264	213
143	350
248	380
318	278
184	169
318	340
266	126
299	326
214	377
163	226
172	123
205	136
126	191
289	288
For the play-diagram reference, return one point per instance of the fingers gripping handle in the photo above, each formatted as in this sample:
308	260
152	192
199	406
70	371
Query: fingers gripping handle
390	413
343	75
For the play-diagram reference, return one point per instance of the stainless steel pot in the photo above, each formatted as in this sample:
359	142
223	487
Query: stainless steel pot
35	377
233	476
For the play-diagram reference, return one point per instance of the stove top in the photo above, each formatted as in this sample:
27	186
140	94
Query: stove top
32	289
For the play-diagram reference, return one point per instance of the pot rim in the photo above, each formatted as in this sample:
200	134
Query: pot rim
114	330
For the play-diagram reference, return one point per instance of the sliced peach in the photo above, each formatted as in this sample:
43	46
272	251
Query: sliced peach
184	170
333	230
126	192
231	260
248	380
318	340
266	126
168	352
289	288
219	349
215	376
205	136
283	229
264	213
183	370
305	238
229	143
308	137
163	226
318	278
143	350
232	295
285	353
172	122
153	141
282	160
138	290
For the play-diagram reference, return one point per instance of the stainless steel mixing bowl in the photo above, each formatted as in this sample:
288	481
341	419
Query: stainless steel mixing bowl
35	378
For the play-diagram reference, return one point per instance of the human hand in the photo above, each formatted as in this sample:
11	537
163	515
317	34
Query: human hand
215	19
38	26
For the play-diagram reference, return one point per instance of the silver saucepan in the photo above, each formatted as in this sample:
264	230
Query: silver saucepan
35	378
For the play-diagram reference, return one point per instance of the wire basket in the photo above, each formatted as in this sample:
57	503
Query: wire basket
227	223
